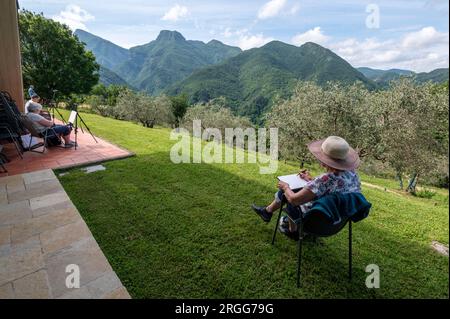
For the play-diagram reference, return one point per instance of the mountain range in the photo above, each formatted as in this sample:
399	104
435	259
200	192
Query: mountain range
383	77
155	66
248	79
251	79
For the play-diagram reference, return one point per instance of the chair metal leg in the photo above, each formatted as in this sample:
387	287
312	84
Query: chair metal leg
350	266
43	147
19	151
15	142
276	225
299	262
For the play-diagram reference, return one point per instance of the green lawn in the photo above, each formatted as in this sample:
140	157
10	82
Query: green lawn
186	231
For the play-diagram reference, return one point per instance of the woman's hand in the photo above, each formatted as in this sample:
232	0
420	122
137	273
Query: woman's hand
304	174
283	186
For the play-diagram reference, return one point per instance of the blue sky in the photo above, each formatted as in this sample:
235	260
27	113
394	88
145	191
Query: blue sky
409	34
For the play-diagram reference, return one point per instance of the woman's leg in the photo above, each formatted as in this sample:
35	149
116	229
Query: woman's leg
266	213
273	207
63	131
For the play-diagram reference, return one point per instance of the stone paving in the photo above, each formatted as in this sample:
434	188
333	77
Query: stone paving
41	233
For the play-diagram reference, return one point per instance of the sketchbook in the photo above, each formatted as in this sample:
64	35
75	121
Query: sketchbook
294	181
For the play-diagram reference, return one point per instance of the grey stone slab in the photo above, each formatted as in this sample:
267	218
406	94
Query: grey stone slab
93	169
80	293
40	224
86	255
440	248
35	190
53	209
11	214
10	179
5	235
15	186
32	286
120	293
39	176
7	291
48	201
106	284
19	264
65	236
3	197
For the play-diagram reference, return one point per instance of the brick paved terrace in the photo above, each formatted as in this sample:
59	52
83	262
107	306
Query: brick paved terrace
88	152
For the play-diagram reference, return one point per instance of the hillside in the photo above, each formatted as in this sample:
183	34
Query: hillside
383	77
108	77
436	76
252	79
192	234
170	58
155	66
106	53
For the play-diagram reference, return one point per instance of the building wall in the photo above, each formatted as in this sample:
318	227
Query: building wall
10	59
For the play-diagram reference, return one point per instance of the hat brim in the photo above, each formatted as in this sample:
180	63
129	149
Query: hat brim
351	162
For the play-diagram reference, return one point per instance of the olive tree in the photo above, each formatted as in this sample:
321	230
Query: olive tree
415	129
313	112
145	109
214	114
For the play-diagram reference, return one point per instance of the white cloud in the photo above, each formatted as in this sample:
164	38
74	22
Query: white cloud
74	16
248	41
271	9
314	35
295	8
176	13
420	51
423	38
227	33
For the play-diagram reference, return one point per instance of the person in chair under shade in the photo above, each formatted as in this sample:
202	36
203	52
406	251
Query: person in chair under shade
41	124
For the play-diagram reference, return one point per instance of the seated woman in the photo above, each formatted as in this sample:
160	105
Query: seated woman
340	162
41	124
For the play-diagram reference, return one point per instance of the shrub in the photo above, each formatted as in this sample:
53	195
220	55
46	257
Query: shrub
424	193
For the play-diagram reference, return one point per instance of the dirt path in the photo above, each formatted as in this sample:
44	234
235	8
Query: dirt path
398	193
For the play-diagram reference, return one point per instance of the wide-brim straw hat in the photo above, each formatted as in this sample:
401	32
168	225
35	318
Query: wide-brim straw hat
335	152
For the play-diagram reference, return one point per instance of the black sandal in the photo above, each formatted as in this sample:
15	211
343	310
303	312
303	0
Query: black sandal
291	235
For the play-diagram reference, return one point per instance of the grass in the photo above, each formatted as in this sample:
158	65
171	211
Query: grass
186	231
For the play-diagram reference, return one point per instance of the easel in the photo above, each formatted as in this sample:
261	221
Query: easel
53	106
73	121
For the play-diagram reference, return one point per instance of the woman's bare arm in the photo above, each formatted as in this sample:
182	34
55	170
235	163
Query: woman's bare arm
300	198
46	123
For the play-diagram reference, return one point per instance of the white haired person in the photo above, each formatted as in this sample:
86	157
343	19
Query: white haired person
34	99
340	161
41	124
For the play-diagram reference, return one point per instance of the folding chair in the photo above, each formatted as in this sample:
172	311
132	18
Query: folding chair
28	124
3	160
318	225
7	134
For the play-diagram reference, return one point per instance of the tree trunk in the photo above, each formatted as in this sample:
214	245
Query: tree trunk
400	179
413	183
